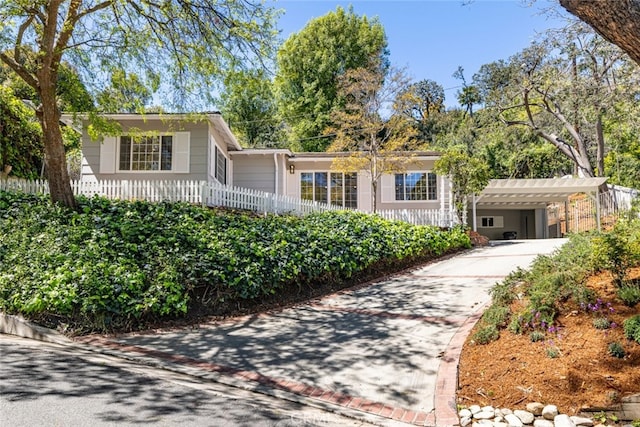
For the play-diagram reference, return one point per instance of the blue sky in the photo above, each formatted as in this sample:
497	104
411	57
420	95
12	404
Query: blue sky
431	38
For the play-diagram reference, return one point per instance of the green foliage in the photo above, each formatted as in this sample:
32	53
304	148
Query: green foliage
309	64
496	315
601	323
536	336
552	351
629	294
486	334
616	349
20	137
249	106
631	327
117	264
469	175
622	249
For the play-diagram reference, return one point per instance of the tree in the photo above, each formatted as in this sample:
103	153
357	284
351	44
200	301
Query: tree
422	103
248	104
617	22
309	65
127	94
469	175
561	89
20	138
183	44
377	143
469	95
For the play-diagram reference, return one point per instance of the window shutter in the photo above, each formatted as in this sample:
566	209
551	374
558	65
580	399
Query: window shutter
181	152
388	188
108	155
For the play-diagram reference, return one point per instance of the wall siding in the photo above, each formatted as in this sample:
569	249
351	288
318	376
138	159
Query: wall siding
198	152
256	172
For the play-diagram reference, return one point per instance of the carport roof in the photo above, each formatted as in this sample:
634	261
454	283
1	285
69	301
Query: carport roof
522	192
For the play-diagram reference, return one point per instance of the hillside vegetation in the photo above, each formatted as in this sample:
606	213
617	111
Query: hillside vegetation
119	265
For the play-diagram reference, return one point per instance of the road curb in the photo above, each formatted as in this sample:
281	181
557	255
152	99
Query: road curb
19	326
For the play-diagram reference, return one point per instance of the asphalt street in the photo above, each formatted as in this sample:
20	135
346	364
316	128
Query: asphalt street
44	384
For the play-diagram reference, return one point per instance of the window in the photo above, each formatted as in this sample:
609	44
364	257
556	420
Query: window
221	167
491	222
416	186
335	188
146	153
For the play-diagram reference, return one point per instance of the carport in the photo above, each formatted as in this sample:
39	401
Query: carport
509	204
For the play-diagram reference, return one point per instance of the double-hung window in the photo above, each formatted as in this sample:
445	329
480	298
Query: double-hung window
335	188
146	153
416	186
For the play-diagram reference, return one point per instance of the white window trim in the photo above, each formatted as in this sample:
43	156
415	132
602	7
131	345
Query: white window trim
328	172
390	189
216	150
160	172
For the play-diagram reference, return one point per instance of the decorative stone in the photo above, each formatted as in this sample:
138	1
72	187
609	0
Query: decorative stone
465	421
525	416
488	408
549	412
484	415
535	408
474	409
513	421
543	423
465	413
506	411
582	421
499	424
563	420
498	419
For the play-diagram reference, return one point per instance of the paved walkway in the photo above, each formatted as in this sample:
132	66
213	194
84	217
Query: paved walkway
386	353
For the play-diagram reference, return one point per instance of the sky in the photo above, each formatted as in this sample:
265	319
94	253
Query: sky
431	38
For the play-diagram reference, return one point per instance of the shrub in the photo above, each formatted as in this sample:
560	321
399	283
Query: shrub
616	350
601	323
631	327
629	294
536	336
496	315
486	334
552	351
116	264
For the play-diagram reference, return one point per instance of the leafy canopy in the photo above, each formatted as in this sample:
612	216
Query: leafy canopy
309	64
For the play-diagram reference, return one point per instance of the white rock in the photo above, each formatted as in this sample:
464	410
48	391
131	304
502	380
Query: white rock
535	408
499	424
482	423
563	420
582	421
543	423
484	415
464	413
549	412
498	419
474	408
488	408
525	416
513	421
506	411
465	421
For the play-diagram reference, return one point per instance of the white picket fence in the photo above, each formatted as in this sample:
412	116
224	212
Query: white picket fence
438	217
199	192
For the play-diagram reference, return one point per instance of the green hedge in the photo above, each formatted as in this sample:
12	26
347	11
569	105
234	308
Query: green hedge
116	262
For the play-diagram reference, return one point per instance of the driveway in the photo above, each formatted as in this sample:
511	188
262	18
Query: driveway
385	353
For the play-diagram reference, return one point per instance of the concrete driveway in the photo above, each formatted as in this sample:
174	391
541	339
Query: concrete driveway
386	353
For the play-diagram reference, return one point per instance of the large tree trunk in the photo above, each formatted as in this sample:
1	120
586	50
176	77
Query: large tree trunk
54	154
616	20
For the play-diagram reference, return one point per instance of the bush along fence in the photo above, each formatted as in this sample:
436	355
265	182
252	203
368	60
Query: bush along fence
215	194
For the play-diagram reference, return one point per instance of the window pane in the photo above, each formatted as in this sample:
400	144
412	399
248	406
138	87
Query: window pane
416	186
146	153
433	186
167	153
125	153
306	186
399	186
351	190
321	192
337	189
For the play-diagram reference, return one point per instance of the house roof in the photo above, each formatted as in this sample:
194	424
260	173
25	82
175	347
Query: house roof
522	192
330	155
220	126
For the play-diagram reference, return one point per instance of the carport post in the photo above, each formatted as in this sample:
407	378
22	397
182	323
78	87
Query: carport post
475	217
